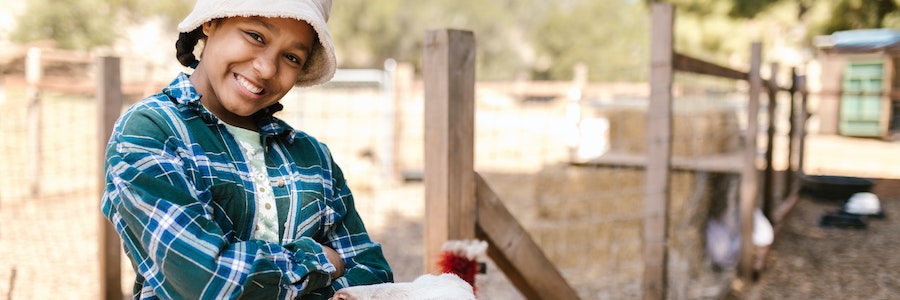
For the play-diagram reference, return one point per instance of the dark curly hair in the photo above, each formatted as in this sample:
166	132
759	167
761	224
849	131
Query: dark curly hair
184	47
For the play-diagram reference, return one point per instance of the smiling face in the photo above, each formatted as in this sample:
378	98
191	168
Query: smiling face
249	64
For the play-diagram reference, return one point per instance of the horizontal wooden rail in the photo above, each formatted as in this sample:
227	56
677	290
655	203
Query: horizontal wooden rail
729	163
686	63
689	64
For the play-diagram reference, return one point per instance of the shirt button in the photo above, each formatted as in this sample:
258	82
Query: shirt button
268	206
257	227
262	190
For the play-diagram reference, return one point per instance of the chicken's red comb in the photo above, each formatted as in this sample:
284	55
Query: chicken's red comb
462	258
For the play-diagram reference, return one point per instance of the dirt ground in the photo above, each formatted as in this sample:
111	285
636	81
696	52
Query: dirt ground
808	261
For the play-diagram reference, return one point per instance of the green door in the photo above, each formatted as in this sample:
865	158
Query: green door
861	96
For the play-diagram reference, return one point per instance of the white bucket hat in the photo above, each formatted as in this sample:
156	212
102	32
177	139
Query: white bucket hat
319	68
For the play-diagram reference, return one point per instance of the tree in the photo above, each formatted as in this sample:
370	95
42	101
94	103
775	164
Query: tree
844	14
610	37
721	31
858	14
73	24
85	24
839	14
538	38
368	32
542	39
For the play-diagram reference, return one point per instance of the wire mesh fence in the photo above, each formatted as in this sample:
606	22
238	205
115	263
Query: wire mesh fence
577	184
48	194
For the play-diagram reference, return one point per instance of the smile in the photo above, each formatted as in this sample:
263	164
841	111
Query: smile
247	85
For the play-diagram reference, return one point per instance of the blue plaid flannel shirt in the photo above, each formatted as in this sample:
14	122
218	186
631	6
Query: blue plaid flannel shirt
179	193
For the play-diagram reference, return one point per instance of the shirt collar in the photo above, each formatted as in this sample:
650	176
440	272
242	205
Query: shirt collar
182	92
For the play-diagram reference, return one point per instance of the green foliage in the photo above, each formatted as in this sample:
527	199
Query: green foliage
697	7
533	38
73	24
721	31
844	14
172	10
858	14
85	24
544	39
749	8
610	37
368	32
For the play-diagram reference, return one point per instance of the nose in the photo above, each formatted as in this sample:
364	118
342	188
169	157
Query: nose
266	65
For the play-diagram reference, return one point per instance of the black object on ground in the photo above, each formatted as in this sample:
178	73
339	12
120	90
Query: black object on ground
843	220
834	188
879	215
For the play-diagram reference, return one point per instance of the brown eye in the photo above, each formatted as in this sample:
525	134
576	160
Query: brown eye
294	59
255	36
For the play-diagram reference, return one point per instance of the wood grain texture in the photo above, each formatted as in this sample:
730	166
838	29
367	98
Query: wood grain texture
449	75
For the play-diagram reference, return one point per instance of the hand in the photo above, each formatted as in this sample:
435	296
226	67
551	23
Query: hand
335	259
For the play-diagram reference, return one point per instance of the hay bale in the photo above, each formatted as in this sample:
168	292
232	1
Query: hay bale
697	130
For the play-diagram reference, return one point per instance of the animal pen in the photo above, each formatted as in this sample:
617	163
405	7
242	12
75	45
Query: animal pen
461	204
564	219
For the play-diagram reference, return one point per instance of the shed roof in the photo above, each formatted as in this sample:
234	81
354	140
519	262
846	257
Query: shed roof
860	41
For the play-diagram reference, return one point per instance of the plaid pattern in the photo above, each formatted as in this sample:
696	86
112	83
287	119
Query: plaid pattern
179	193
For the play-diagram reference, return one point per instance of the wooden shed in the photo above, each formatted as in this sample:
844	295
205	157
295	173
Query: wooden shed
860	93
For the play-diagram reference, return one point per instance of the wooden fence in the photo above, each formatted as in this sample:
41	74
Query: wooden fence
460	205
664	62
458	202
108	91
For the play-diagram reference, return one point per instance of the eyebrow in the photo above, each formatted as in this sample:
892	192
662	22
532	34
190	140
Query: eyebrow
277	30
259	21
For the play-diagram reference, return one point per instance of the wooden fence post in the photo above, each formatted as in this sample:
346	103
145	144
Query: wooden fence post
403	84
34	71
449	78
749	180
659	150
768	205
801	124
792	132
390	115
109	106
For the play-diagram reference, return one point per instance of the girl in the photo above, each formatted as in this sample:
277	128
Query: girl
216	198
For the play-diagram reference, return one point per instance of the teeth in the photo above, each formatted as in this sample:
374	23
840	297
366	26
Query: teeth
249	86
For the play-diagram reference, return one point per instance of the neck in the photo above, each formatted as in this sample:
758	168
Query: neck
245	123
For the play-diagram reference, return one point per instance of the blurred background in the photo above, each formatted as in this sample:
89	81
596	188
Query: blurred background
559	83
